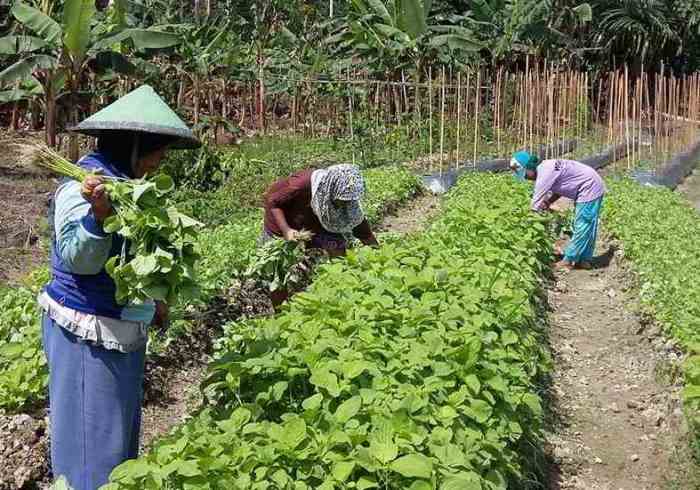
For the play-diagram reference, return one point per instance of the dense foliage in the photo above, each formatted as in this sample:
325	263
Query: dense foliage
659	232
412	366
23	371
59	65
226	252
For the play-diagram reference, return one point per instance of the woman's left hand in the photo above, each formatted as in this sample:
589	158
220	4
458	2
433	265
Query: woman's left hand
161	319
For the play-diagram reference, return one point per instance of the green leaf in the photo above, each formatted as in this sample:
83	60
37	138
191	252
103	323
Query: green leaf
353	369
144	265
366	482
420	485
413	17
383	448
313	402
140	190
35	20
152	39
473	383
348	409
533	403
157	292
188	468
480	410
584	12
77	20
23	70
413	466
381	10
20	44
326	380
691	393
462	481
278	390
112	224
164	182
290	434
342	470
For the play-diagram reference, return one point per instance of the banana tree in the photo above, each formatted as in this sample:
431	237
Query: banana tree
400	33
57	54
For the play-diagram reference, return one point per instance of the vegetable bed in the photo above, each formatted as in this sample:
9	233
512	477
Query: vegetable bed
415	366
659	231
225	254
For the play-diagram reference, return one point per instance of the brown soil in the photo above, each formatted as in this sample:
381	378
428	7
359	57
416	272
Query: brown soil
23	452
171	388
616	423
413	216
24	200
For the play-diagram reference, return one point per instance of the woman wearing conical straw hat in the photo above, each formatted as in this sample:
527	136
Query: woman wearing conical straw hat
95	347
576	181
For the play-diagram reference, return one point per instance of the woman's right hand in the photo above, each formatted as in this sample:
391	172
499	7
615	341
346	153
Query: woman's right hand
95	192
290	234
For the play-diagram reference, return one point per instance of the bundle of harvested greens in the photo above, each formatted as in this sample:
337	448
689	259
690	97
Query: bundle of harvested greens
159	255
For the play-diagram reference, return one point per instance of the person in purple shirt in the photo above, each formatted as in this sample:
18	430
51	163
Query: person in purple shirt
575	181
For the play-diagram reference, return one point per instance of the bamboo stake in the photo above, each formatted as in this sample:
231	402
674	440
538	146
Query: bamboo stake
466	106
442	121
476	112
459	114
430	103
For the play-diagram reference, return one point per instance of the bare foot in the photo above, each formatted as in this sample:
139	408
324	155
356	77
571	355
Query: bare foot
564	265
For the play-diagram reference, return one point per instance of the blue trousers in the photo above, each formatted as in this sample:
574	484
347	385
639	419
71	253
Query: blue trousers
95	397
582	243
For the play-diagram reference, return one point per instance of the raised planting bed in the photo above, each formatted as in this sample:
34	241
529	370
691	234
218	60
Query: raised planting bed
225	254
414	366
659	232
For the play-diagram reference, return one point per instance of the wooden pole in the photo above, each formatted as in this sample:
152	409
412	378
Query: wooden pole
476	112
442	121
459	114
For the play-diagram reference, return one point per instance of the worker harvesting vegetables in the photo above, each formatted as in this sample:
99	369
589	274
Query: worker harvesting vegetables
324	202
575	181
95	330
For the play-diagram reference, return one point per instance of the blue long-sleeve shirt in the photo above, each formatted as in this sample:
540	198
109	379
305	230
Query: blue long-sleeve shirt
82	244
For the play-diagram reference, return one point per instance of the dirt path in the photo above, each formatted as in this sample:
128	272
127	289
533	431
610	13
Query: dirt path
616	422
413	216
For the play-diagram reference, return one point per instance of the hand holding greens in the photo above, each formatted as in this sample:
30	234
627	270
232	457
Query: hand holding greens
158	258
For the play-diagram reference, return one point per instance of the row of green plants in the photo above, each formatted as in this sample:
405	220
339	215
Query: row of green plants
225	253
414	366
659	231
228	247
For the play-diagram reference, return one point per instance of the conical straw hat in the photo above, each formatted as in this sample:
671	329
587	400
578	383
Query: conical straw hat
140	110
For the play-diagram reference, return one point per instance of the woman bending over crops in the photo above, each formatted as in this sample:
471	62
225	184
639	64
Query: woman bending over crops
324	202
575	181
95	347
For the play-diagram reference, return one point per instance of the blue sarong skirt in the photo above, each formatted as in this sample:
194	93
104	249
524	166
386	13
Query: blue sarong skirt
95	397
585	228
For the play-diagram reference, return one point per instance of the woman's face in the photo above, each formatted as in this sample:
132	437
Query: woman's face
148	164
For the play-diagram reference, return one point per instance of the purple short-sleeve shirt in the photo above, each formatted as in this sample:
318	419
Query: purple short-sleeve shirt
568	178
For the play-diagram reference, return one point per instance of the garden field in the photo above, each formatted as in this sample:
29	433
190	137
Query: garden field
458	353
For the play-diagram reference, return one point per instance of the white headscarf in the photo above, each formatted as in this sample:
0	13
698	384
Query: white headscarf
338	183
